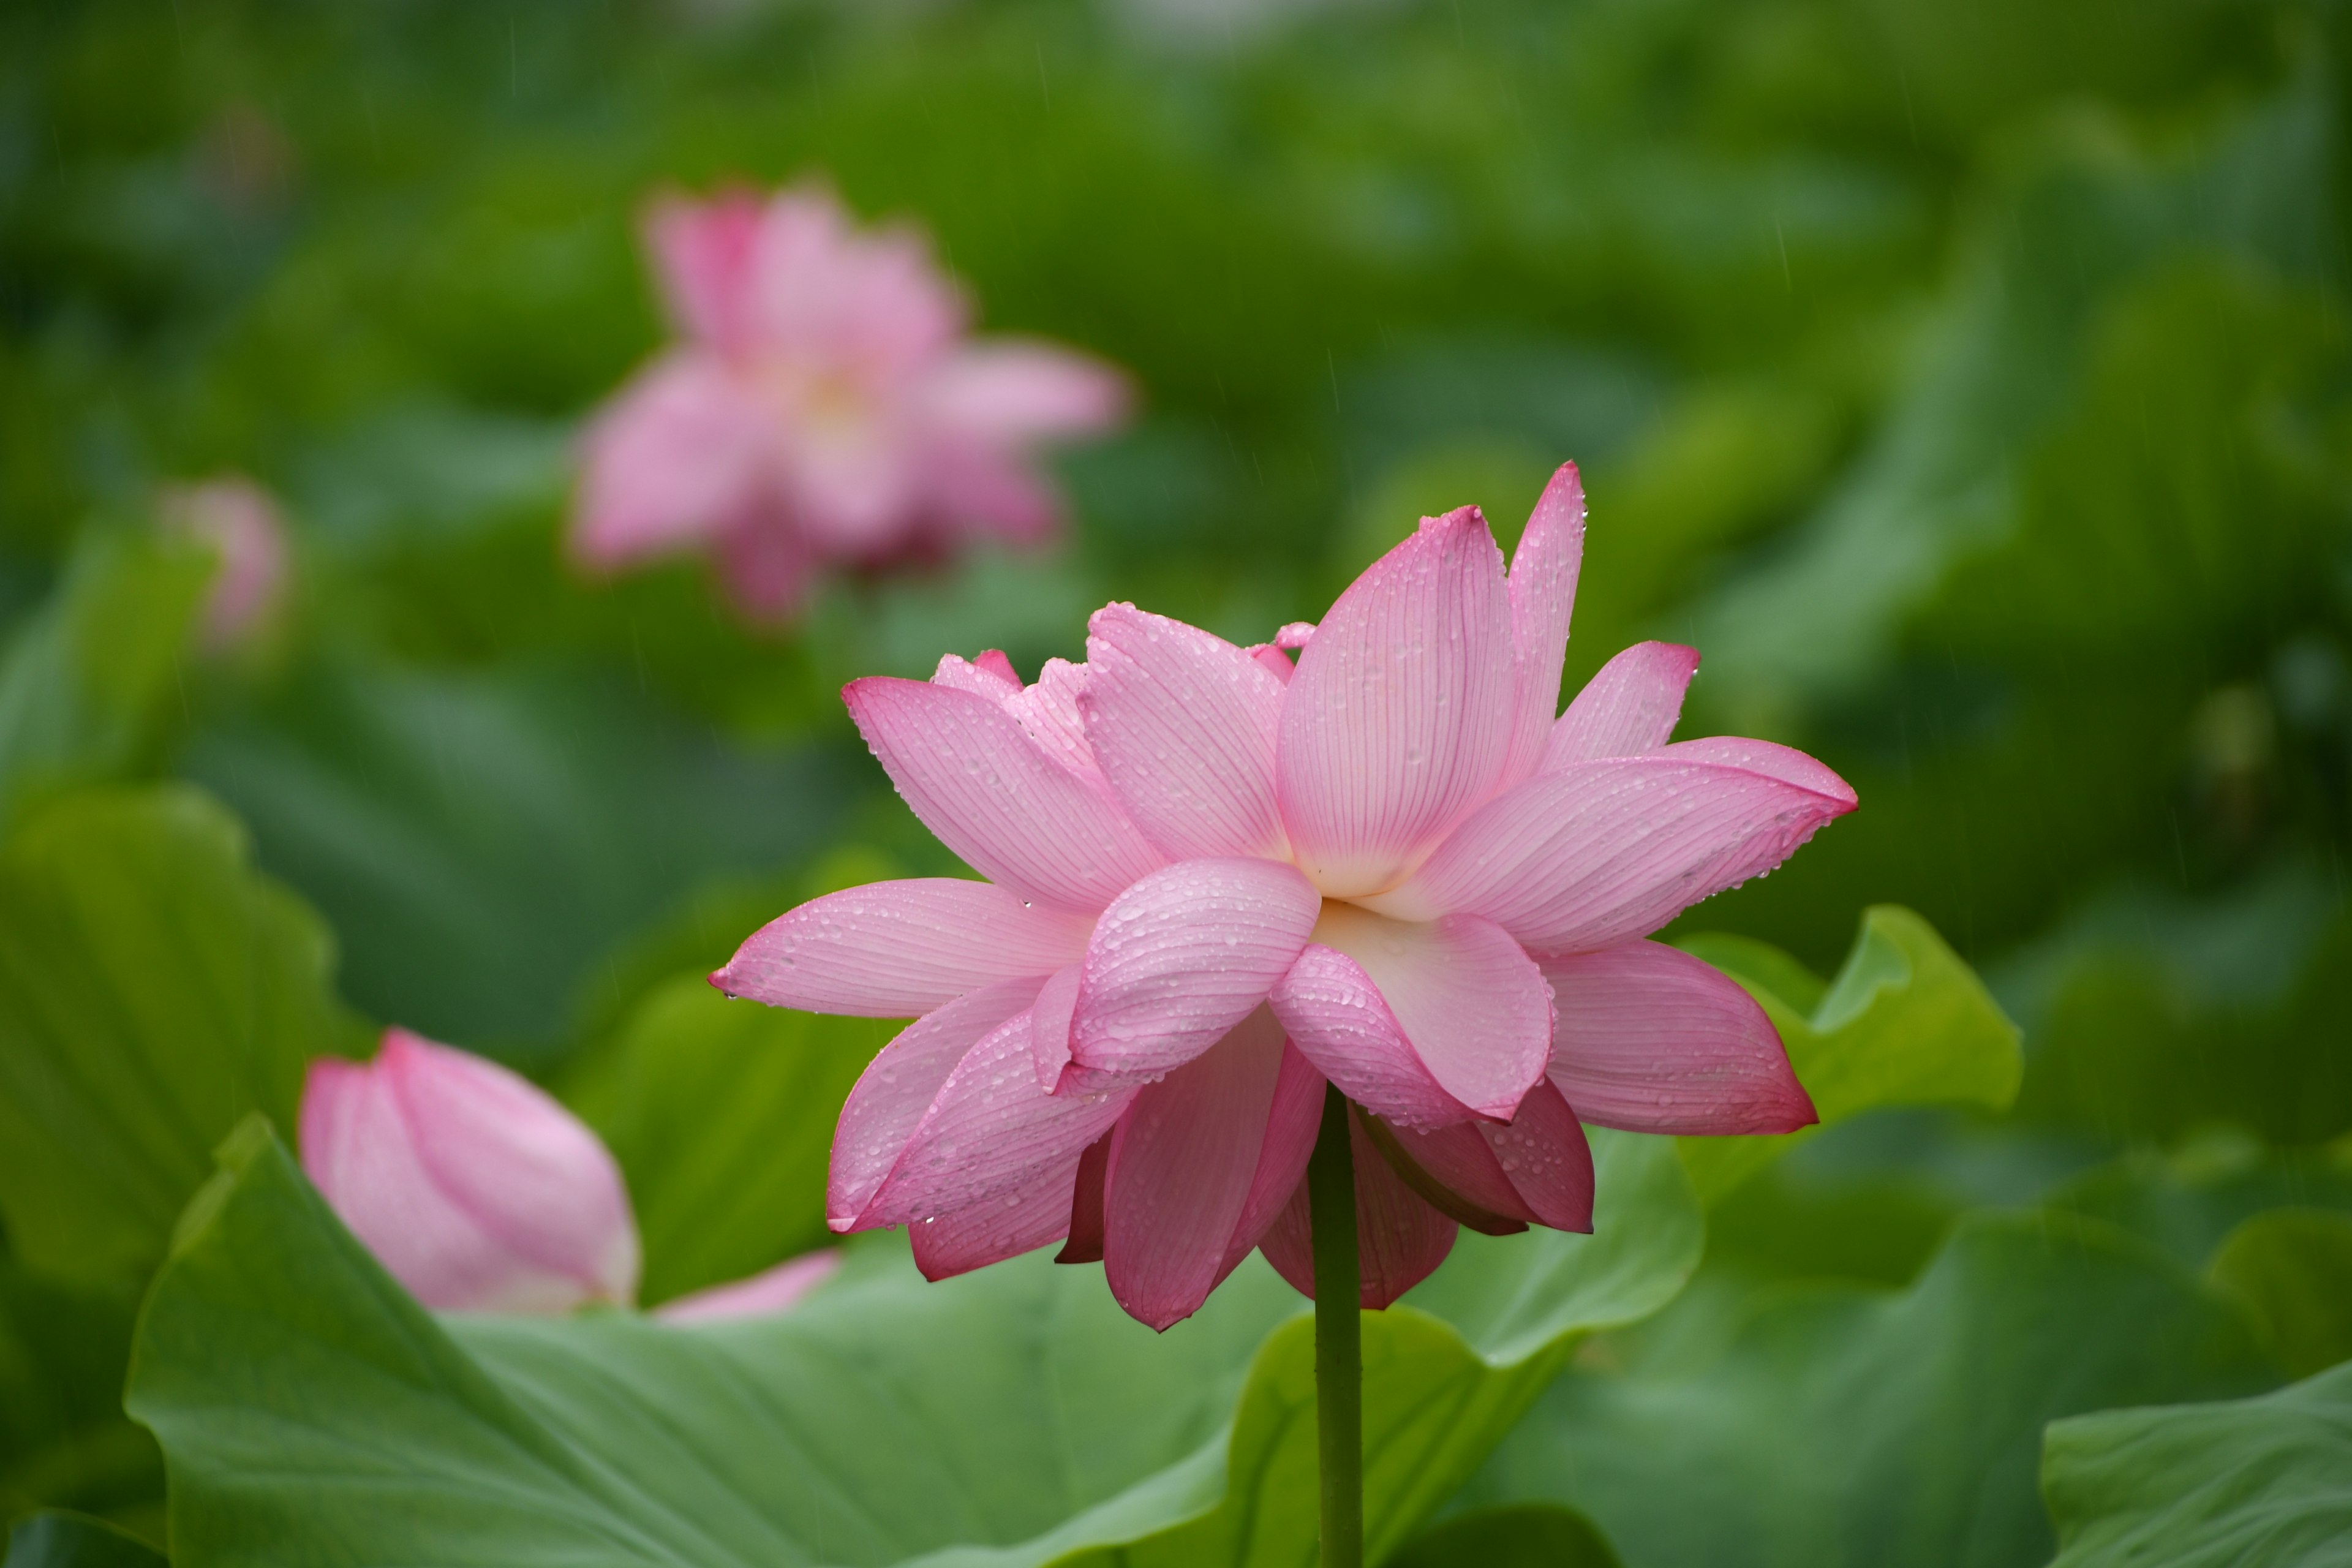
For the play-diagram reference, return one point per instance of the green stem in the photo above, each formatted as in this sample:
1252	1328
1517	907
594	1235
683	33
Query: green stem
1338	1337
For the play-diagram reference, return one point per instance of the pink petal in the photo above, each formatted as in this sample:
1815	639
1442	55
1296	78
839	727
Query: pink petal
1628	709
472	1186
1034	1213
1182	1162
1399	720
1006	392
1544	1153
1543	593
897	950
775	1290
1184	725
1783	762
991	1132
1273	660
871	304
1597	853
238	521
766	565
989	676
990	793
900	1085
1457	1173
1049	1026
1653	1040
1048	713
993	663
1341	1023
972	491
1183	956
1291	1125
704	255
1399	1239
1085	1240
679	457
1473	1004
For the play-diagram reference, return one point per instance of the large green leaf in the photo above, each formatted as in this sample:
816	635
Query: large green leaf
1517	1535
1840	1426
56	1540
153	989
2254	1483
1016	1414
80	680
64	1440
2293	1269
1905	1023
721	1115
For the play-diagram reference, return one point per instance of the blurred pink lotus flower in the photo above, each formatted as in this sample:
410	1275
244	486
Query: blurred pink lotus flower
823	404
239	522
1217	881
480	1193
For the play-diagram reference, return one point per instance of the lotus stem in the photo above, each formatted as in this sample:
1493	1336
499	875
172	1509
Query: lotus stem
1338	1338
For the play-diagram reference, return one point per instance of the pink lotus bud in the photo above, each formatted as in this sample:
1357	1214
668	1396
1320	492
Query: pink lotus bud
773	1291
477	1191
239	522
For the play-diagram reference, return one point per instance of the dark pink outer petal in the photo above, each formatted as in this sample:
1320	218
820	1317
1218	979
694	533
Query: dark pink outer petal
1544	1154
1598	853
1033	1214
1184	955
899	1086
680	458
1399	1239
1183	724
897	950
1399	720
991	1132
991	795
1653	1040
1453	1167
762	1295
1543	594
1182	1164
1341	1023
1291	1125
704	255
1626	709
1471	1001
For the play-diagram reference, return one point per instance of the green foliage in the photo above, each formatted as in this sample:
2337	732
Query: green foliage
1905	1023
80	680
721	1115
1838	1425
1519	1536
2255	1483
2293	1267
59	1540
153	989
64	1440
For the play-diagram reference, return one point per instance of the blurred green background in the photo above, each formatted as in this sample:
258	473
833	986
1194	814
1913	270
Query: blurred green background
1968	382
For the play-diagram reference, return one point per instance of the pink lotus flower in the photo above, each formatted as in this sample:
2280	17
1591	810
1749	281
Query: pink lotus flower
823	406
1217	881
480	1193
239	522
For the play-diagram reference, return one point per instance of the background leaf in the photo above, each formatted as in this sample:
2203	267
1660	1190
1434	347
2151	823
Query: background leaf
2293	1269
56	1540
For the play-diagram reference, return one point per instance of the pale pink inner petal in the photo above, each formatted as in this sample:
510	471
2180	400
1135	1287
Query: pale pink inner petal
1181	957
1543	594
1183	1162
774	1290
1626	709
990	793
1341	1023
897	950
980	677
1653	1040
900	1085
872	303
1544	1154
1473	1004
989	1130
1597	853
1397	721
1048	713
1008	392
1184	726
680	457
1034	1213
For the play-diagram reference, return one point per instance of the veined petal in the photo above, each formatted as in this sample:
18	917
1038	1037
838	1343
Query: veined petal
1291	1125
774	1290
1181	957
1456	1173
989	676
1783	762
991	1132
991	795
1473	1004
1399	719
1183	724
900	1085
1544	1153
1628	709
1033	1214
1183	1162
1049	1026
1598	853
897	950
1341	1023
1543	595
1399	1239
1653	1040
